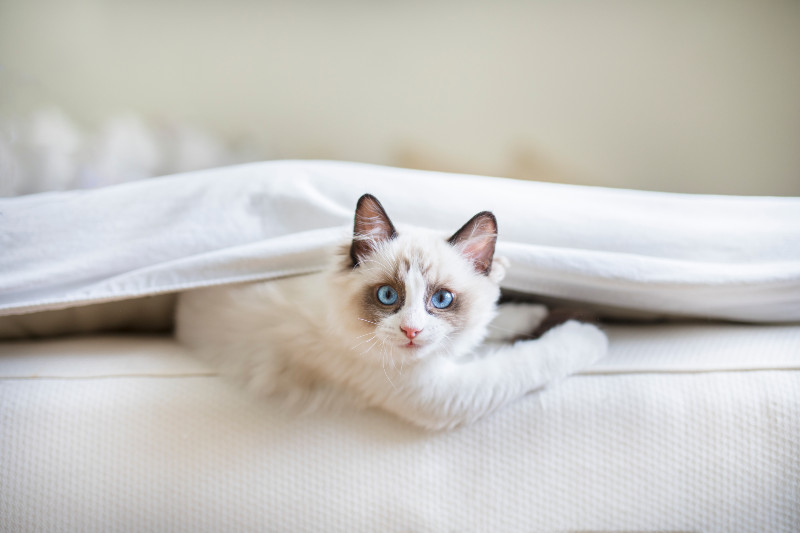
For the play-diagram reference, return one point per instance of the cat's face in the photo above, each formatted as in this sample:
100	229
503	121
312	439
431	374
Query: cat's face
412	293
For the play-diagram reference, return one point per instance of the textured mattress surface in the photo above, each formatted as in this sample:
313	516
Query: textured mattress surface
684	427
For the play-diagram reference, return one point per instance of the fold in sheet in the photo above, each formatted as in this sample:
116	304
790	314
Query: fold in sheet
719	257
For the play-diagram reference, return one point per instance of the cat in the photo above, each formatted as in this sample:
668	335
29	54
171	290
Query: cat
404	321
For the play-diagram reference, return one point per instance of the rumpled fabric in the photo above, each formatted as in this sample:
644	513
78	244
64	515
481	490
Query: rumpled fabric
721	257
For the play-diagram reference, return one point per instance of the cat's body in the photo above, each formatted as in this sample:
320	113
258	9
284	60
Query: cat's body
403	322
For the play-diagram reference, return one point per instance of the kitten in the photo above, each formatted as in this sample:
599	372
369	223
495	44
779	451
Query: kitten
406	321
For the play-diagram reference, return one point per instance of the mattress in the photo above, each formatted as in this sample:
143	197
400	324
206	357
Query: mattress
683	427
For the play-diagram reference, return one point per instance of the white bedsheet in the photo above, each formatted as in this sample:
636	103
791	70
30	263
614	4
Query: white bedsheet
709	256
668	433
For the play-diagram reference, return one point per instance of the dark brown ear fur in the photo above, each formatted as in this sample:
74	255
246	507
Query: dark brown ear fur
476	240
556	317
371	227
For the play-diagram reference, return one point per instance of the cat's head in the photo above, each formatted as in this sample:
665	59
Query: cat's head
414	292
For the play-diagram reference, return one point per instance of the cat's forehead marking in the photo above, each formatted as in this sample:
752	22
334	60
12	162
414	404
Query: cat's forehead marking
415	285
406	265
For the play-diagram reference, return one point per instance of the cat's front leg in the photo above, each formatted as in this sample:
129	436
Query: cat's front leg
444	393
514	320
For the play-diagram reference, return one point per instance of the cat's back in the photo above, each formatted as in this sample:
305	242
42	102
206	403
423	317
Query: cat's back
266	312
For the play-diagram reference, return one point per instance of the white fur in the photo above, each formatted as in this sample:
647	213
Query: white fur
302	335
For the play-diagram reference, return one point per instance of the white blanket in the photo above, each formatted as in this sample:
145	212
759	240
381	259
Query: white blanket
708	256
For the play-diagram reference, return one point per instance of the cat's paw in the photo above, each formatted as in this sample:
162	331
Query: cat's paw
516	320
575	346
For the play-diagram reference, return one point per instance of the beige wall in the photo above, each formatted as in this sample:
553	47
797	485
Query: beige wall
690	96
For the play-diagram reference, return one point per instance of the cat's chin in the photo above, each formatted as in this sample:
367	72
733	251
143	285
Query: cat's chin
412	347
413	351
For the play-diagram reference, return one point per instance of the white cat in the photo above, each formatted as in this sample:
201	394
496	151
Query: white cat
400	321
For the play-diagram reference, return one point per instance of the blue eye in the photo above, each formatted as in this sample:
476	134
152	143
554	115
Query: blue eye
442	299
387	295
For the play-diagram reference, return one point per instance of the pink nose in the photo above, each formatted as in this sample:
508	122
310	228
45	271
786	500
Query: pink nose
410	332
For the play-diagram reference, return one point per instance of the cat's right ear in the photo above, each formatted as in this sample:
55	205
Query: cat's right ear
372	227
476	240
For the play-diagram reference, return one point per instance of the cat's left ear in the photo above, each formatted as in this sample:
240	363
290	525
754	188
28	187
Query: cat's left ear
476	240
372	227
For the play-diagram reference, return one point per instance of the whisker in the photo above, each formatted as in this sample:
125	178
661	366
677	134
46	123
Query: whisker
369	349
362	342
384	351
402	362
365	320
383	364
388	353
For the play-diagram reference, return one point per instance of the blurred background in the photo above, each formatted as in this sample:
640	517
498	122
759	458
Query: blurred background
683	96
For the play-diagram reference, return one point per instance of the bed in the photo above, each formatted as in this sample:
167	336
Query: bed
692	422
